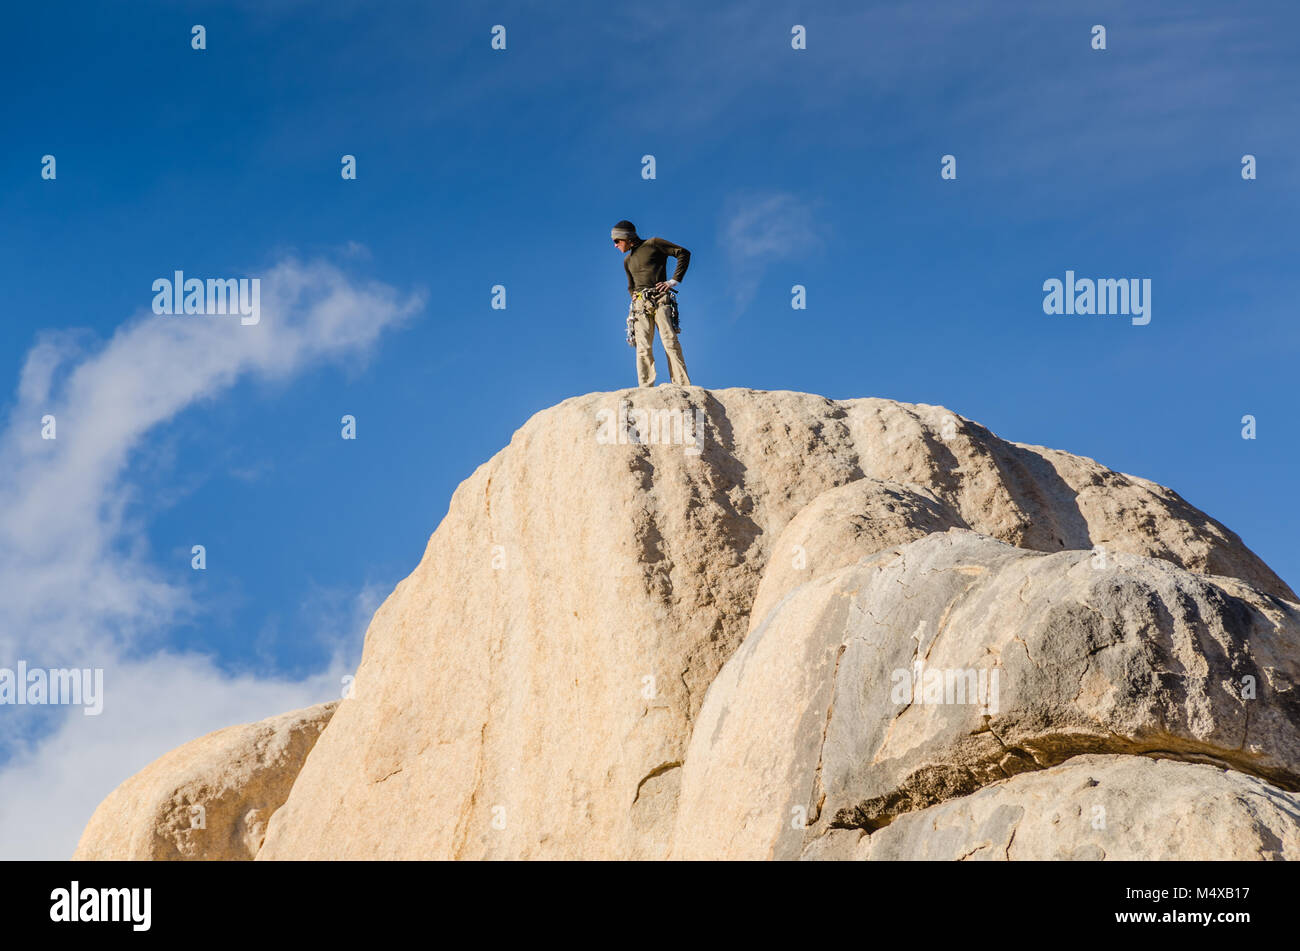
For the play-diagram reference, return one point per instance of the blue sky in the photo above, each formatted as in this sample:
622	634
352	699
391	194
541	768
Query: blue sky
479	167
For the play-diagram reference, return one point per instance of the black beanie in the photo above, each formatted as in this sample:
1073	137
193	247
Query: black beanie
624	229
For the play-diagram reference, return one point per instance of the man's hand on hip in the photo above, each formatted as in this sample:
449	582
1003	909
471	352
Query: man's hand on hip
664	285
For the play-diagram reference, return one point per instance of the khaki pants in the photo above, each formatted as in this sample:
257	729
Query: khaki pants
645	317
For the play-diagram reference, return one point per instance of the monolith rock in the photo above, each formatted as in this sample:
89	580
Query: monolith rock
685	623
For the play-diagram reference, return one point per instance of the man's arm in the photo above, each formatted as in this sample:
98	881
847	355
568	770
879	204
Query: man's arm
630	291
681	254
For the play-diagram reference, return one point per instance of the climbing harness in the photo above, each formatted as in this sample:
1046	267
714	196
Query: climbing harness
653	298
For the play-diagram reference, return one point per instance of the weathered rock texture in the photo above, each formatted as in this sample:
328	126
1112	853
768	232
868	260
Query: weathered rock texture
531	689
1088	808
1023	659
209	799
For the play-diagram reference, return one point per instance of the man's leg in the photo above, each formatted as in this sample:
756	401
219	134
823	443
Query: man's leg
643	332
672	347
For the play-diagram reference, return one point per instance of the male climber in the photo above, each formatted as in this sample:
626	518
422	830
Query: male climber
653	300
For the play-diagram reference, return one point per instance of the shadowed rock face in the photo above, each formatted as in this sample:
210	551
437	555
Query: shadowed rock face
532	688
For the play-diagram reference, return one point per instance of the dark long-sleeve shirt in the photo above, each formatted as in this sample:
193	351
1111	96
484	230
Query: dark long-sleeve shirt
646	264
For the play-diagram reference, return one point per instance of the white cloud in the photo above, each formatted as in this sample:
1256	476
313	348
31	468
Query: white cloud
78	587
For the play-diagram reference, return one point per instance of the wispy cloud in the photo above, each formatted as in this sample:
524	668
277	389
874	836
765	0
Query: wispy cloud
760	229
80	588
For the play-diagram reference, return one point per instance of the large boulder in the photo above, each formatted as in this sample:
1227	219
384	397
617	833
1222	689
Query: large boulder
208	799
1089	808
531	689
935	668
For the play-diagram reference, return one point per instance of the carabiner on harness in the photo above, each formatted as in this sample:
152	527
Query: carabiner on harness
652	297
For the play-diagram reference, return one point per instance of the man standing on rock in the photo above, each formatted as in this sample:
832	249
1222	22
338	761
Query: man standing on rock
654	302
